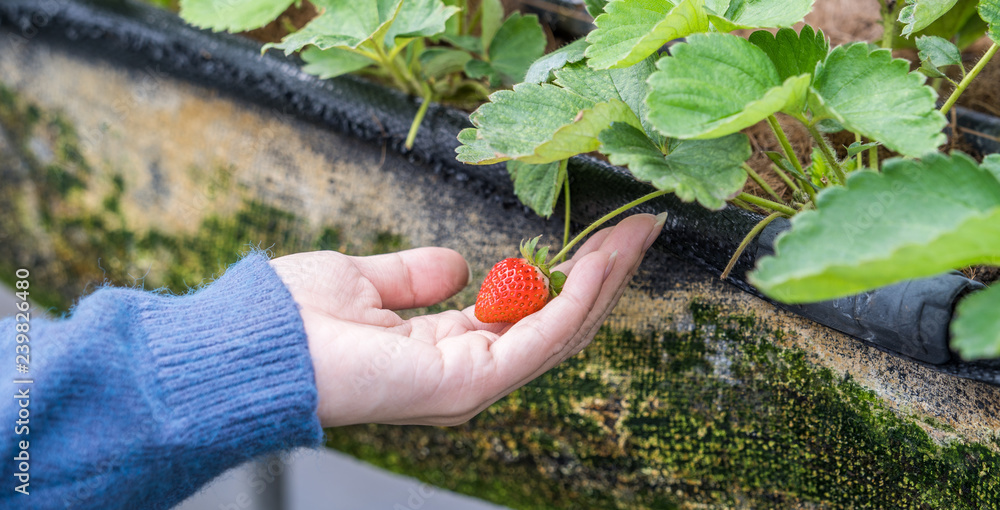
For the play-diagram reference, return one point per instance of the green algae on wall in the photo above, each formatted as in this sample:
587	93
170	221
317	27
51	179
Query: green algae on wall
716	417
66	224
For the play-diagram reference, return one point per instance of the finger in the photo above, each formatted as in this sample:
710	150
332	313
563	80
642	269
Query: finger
599	238
414	278
589	246
628	242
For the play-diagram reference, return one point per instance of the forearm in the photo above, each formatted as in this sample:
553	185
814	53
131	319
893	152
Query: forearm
138	399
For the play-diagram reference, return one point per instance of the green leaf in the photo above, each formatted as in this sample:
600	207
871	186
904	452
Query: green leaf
541	70
917	218
631	30
537	186
477	69
541	123
419	18
517	43
594	85
343	23
992	164
232	16
871	93
349	23
492	18
438	62
468	43
709	171
556	282
476	151
961	24
857	147
628	84
819	172
975	330
333	62
919	14
595	7
717	84
742	14
792	54
989	10
937	53
633	87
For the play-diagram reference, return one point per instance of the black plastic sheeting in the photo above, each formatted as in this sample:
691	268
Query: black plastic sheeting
908	319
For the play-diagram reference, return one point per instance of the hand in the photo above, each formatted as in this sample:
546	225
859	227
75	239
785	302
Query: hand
374	367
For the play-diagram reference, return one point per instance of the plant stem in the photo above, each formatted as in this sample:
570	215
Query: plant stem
742	205
604	219
463	6
767	204
889	22
415	125
962	85
789	151
746	241
389	64
564	175
857	163
824	148
760	182
873	158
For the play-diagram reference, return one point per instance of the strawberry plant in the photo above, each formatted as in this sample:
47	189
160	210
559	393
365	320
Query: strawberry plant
434	49
674	119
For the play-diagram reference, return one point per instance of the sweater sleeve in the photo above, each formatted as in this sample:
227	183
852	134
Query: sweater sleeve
138	399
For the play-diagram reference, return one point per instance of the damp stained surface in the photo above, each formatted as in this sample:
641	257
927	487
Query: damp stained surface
693	395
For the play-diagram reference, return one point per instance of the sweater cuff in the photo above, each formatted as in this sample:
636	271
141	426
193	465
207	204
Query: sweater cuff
233	364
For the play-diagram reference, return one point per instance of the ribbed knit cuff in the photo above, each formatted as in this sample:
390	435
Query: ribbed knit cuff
233	365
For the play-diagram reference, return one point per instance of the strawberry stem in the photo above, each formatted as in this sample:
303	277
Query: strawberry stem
565	177
604	219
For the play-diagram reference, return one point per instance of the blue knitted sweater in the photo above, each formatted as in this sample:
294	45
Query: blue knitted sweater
138	399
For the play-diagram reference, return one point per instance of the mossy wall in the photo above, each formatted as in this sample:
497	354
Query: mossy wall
693	395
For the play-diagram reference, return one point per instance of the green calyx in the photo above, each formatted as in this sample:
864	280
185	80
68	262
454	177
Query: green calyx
538	257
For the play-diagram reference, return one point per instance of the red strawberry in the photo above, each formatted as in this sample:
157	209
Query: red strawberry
516	288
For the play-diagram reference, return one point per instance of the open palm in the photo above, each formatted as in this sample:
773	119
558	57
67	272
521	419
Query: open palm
372	366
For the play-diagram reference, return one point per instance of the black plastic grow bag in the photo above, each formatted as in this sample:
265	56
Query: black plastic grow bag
909	319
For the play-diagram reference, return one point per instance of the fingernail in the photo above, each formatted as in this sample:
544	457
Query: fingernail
611	264
661	219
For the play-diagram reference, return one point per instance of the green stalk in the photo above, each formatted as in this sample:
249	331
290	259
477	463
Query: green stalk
857	140
962	85
760	182
873	158
389	64
742	205
889	22
415	125
786	146
766	204
824	148
563	174
463	6
604	219
746	241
